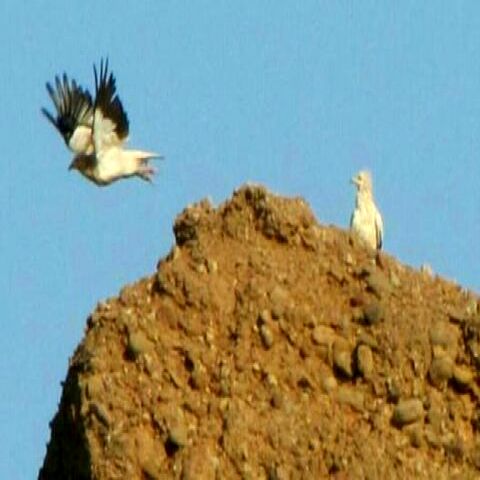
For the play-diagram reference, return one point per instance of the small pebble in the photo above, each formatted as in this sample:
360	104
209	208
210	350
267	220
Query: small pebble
322	335
266	336
444	338
212	266
178	435
329	383
138	344
373	314
462	375
342	358
279	299
364	360
440	370
407	411
264	316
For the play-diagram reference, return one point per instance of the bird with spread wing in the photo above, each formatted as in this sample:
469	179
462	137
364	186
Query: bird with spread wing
96	130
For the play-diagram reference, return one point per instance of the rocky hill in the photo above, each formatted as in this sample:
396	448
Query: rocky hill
268	346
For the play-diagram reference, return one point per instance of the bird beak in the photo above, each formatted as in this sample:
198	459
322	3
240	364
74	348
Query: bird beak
354	181
71	166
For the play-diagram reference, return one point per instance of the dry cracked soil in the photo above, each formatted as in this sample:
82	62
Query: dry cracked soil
268	346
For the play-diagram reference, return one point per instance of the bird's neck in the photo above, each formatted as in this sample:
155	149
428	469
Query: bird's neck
363	197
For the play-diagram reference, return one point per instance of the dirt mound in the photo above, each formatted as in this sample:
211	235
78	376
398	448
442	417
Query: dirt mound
267	346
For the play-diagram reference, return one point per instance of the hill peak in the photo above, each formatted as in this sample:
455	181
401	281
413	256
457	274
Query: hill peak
266	345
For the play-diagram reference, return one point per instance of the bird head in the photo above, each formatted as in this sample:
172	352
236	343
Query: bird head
81	163
363	180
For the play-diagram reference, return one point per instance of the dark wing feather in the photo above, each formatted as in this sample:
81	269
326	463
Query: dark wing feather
108	102
73	105
379	229
379	240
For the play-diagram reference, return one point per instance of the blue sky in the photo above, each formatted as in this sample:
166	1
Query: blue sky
296	95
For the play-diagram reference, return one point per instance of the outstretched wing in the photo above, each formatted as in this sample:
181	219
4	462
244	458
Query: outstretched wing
110	124
73	105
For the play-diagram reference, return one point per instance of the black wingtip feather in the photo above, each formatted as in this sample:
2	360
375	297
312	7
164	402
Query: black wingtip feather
49	116
107	100
73	105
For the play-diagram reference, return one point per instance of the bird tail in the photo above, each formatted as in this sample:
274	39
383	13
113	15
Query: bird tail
145	156
144	170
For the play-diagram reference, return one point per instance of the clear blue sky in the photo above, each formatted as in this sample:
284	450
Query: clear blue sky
296	95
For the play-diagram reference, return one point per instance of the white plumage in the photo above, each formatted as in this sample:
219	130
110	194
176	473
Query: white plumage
97	131
366	220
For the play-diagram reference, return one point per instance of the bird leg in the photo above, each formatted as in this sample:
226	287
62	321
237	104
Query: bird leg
146	172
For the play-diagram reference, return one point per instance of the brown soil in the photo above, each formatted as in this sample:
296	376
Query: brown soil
267	346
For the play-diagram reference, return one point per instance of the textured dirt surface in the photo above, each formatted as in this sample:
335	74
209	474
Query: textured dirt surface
267	346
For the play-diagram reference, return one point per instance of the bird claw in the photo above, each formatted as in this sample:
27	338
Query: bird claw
147	173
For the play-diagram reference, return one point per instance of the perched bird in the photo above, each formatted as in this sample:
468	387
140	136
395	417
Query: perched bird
96	131
366	220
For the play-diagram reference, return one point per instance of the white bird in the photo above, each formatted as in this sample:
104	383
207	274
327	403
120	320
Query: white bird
366	220
97	132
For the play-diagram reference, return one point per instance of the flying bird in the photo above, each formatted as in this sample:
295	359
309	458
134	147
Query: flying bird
97	130
366	220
